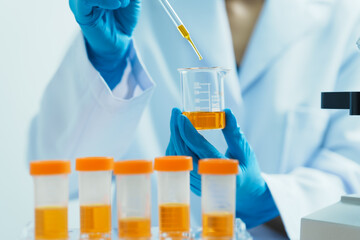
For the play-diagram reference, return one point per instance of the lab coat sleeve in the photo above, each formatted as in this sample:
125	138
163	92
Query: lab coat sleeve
80	116
334	170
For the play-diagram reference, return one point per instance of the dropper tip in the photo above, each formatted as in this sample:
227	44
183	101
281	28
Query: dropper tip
195	48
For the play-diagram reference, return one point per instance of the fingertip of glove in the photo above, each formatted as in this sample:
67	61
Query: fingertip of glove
173	121
188	132
184	125
175	111
228	111
230	119
183	120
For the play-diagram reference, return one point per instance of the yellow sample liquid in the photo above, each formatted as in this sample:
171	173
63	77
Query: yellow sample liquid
184	32
51	223
218	224
95	220
174	217
206	120
134	227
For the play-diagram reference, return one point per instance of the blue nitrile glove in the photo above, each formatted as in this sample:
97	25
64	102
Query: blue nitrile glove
107	26
177	146
254	202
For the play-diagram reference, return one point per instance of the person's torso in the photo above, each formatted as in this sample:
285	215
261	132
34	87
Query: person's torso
275	94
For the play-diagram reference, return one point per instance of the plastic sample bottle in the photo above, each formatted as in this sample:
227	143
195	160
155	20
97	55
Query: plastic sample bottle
133	181
95	196
218	184
174	195
51	185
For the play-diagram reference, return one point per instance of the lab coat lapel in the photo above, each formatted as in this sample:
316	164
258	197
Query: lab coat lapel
280	24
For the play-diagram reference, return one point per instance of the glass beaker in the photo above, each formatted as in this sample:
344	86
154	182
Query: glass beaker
203	96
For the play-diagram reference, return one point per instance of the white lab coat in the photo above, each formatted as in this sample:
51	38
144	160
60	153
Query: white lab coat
299	48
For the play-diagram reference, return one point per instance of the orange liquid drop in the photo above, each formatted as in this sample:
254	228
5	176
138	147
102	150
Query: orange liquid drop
206	120
95	220
51	223
133	227
174	217
218	224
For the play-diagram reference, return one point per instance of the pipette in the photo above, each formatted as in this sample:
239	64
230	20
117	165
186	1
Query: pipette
180	26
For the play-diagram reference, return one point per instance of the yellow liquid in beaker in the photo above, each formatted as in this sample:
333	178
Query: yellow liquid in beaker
218	224
206	120
51	222
95	220
133	227
174	217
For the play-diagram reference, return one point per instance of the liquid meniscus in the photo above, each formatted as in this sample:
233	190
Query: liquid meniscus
174	217
95	220
134	227
51	222
218	224
206	120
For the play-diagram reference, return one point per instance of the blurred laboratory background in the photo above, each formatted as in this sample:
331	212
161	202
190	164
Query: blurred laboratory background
34	38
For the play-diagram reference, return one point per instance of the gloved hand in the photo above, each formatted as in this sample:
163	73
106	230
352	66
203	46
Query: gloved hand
107	26
254	202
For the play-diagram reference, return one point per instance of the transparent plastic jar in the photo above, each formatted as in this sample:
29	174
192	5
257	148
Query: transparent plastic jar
133	184
51	185
95	175
218	189
173	174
